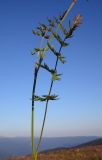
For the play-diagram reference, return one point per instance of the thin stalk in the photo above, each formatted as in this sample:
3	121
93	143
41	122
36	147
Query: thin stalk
32	121
35	153
51	85
33	94
51	38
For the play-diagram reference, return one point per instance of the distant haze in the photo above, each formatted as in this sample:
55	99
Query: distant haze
22	146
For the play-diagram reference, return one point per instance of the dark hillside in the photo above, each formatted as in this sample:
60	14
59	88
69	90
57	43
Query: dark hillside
92	143
87	151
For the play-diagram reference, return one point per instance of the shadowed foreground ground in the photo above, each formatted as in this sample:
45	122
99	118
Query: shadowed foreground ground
79	153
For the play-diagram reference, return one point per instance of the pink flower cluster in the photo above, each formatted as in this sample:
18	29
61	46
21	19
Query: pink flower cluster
77	20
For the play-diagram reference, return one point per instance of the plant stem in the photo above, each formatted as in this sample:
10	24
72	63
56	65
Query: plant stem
35	153
51	38
51	85
33	94
32	121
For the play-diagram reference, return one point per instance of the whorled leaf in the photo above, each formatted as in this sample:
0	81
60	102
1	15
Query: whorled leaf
56	20
52	48
51	22
43	31
40	50
51	97
56	76
58	38
43	26
36	32
60	57
46	67
38	98
46	36
63	29
36	50
45	98
42	54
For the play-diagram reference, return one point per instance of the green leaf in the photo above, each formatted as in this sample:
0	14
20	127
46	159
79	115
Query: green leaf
56	20
56	76
43	26
46	49
51	48
45	98
42	30
58	38
38	98
36	32
45	66
70	33
63	29
41	50
42	55
36	50
46	36
48	69
51	97
60	57
51	22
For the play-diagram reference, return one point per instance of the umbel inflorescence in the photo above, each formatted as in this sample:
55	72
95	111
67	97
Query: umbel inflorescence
48	33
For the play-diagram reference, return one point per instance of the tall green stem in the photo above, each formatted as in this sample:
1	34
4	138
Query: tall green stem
46	107
32	121
33	94
35	154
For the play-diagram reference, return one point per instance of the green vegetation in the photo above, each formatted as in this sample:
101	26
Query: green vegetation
48	33
83	153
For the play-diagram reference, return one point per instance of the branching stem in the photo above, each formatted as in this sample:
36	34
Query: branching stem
46	106
35	152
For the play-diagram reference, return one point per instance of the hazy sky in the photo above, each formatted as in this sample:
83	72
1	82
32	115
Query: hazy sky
79	110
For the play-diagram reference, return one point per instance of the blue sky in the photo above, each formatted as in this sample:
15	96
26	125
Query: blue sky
79	110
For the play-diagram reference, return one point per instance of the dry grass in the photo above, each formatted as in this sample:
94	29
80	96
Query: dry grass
83	153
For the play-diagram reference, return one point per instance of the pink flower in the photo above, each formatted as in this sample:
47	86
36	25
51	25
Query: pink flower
74	1
78	20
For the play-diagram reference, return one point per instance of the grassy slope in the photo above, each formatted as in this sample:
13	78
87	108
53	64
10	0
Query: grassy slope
79	153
